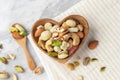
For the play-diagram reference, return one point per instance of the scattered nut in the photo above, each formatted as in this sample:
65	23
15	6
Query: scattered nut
3	60
1	46
102	69
76	63
86	61
14	77
38	70
70	66
93	44
19	69
94	59
80	77
4	75
10	56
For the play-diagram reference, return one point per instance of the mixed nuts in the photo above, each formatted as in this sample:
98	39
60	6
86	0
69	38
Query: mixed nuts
18	32
60	41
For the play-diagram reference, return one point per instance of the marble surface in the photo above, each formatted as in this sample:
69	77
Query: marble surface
25	12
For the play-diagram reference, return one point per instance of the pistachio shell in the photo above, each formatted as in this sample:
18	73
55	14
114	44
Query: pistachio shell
19	27
10	56
3	60
3	75
14	76
63	54
19	69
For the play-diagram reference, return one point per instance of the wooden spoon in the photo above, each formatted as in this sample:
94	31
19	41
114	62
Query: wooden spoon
22	42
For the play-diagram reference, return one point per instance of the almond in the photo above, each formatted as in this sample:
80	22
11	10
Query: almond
80	34
16	35
93	44
73	49
38	32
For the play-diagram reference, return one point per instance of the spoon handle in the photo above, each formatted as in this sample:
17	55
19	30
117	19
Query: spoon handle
30	60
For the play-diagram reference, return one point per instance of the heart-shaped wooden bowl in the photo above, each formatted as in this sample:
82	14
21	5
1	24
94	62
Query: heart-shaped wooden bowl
78	18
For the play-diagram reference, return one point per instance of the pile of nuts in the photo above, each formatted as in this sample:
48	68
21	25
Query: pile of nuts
18	32
60	41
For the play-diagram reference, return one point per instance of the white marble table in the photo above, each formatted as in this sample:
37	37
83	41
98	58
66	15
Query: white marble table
25	12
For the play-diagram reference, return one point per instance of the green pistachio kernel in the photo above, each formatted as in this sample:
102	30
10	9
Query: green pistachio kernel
53	54
22	33
56	43
13	29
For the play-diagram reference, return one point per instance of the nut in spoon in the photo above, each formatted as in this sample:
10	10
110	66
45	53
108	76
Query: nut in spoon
19	34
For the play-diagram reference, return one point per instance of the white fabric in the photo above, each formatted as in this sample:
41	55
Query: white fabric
103	17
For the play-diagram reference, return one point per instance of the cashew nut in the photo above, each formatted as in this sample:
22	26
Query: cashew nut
75	29
70	43
40	26
64	45
48	45
54	28
74	36
41	44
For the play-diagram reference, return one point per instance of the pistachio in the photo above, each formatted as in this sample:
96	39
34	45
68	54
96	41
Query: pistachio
63	54
3	60
38	70
19	69
19	27
10	56
76	63
94	59
86	61
14	76
70	66
56	43
1	46
3	75
22	33
80	77
53	54
13	29
102	69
